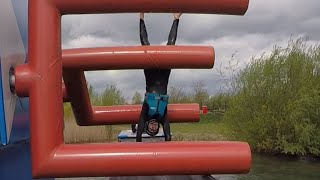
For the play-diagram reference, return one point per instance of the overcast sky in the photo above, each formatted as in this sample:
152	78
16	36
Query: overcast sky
266	23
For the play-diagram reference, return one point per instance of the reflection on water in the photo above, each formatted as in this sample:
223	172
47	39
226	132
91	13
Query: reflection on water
279	168
263	168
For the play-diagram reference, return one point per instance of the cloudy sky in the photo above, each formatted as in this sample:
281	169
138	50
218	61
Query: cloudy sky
266	23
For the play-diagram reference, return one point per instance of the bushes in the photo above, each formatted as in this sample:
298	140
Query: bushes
221	100
275	105
177	95
198	95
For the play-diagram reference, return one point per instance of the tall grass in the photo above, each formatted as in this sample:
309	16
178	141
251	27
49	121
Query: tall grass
81	134
210	128
275	103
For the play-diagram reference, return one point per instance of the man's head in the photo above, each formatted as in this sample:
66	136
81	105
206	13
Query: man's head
152	127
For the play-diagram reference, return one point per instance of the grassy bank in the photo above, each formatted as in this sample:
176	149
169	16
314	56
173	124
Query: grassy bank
210	127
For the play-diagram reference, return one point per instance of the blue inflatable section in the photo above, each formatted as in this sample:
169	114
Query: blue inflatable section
15	155
15	162
3	130
20	125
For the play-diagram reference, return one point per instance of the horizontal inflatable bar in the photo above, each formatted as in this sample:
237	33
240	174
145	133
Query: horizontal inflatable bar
232	7
129	114
139	57
147	159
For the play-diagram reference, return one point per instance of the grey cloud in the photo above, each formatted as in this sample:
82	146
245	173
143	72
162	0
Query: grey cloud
128	81
119	27
283	17
266	17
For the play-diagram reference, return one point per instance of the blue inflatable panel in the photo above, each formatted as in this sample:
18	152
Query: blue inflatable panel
13	28
16	162
129	136
15	155
3	131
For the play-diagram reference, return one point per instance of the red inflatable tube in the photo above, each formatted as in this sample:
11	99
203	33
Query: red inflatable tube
140	57
64	92
147	159
77	91
129	114
232	7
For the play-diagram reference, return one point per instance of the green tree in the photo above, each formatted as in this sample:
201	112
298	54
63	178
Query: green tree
177	95
137	98
111	96
200	94
94	97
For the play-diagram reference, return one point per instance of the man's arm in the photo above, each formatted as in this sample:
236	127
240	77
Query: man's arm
142	120
143	33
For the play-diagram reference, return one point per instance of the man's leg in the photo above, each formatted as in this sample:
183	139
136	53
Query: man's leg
142	122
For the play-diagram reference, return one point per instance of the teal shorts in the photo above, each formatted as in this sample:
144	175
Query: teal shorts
157	105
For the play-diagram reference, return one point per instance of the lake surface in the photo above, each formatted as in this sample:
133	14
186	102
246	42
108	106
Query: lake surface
263	167
280	168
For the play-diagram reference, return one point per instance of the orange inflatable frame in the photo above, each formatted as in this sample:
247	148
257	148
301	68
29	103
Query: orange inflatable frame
40	80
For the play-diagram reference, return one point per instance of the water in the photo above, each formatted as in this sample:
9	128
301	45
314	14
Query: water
278	168
266	167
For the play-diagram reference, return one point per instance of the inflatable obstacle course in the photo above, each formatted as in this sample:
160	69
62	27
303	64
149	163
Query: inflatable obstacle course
48	65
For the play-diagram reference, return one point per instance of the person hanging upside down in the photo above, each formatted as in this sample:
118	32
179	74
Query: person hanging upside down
154	108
